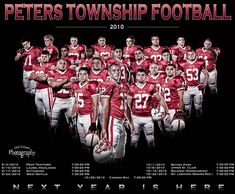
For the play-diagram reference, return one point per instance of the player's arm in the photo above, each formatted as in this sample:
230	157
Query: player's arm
95	101
181	102
105	115
57	84
18	55
162	102
69	83
74	109
33	76
206	77
128	114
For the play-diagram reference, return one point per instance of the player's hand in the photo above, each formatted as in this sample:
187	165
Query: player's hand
20	51
92	127
201	87
156	115
104	134
179	113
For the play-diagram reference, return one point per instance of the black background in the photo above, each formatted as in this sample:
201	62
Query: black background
205	143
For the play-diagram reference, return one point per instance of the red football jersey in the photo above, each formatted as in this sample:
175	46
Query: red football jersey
70	60
58	75
83	96
123	66
144	64
192	71
30	57
85	63
154	53
156	80
162	64
78	51
117	95
42	69
142	98
129	52
99	76
170	88
54	53
179	51
205	54
104	51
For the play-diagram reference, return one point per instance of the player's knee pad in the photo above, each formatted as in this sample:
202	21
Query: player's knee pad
41	113
54	119
149	133
198	102
187	107
54	123
187	101
212	85
81	133
150	139
134	140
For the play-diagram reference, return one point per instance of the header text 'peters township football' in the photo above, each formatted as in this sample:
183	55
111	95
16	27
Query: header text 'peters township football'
117	12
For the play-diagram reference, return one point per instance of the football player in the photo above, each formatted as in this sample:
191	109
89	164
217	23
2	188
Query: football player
179	51
43	94
115	109
140	99
103	50
125	74
155	51
209	54
76	49
192	69
129	50
53	50
60	81
85	108
28	56
173	92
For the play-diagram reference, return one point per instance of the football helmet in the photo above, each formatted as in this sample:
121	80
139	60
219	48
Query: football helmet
91	139
178	122
103	152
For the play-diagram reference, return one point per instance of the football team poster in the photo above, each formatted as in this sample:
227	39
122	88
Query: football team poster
117	96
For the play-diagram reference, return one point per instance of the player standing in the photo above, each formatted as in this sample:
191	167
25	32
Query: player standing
173	92
28	55
192	68
154	52
130	48
85	108
115	109
53	50
43	94
103	50
209	54
179	51
140	99
60	81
